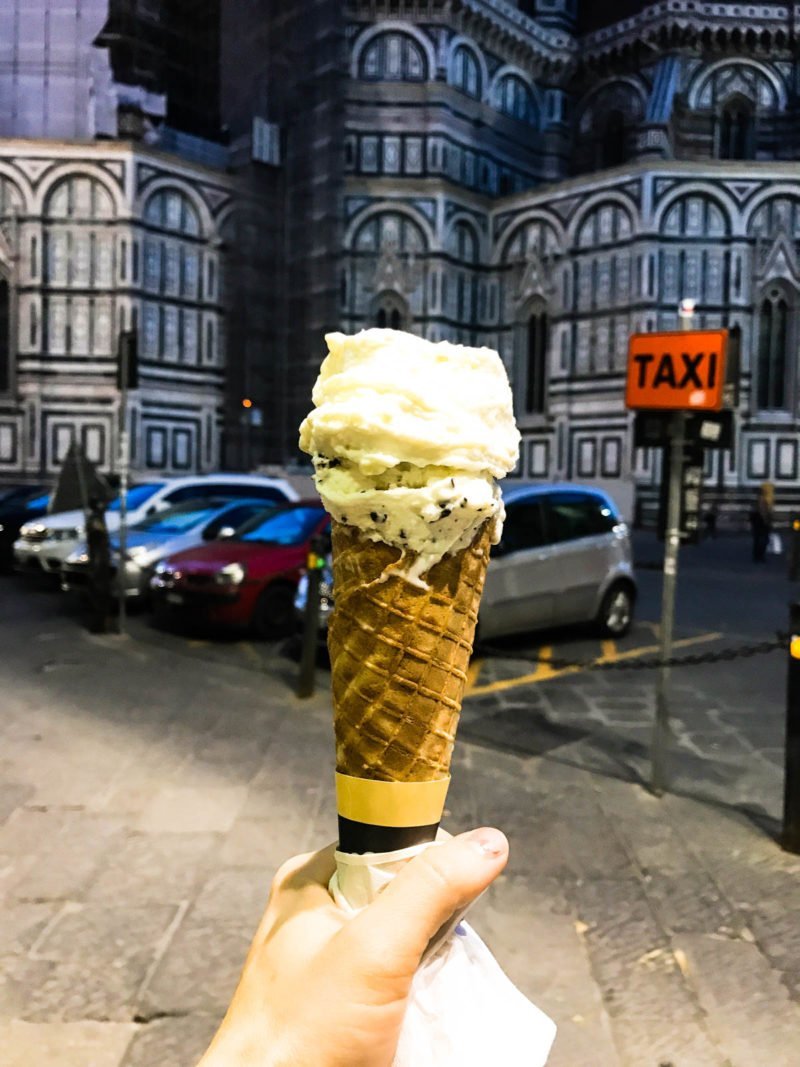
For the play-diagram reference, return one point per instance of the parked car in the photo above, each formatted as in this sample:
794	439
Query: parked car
47	543
163	534
10	494
248	580
565	557
14	513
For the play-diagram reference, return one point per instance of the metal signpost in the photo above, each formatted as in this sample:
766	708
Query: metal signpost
673	373
127	378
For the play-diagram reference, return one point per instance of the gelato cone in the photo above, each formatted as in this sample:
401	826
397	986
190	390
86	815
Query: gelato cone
399	657
408	438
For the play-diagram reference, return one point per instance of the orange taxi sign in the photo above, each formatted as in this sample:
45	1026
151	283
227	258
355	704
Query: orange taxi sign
679	371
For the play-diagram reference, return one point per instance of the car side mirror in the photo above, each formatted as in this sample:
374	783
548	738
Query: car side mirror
225	531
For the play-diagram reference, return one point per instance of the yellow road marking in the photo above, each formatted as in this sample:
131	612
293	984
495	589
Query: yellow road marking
543	671
252	654
609	652
473	671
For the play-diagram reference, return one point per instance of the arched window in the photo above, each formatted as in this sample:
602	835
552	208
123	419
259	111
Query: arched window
514	97
391	311
5	335
173	264
613	145
737	130
466	74
775	324
538	330
172	210
393	57
79	268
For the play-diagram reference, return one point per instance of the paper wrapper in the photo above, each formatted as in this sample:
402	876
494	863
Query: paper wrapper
462	1010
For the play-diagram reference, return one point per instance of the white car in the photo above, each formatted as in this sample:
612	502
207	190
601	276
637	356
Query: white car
46	542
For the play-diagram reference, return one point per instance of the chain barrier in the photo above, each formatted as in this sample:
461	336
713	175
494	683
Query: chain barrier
648	663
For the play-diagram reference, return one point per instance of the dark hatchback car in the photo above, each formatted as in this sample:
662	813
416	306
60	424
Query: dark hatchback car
18	506
248	580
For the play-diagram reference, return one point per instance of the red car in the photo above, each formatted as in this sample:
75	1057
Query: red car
248	580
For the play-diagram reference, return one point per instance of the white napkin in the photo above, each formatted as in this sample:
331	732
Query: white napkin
462	1011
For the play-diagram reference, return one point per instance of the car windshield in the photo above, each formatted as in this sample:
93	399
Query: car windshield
137	495
36	503
181	518
290	527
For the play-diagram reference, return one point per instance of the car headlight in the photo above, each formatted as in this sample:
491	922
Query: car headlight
163	568
33	529
2	528
233	574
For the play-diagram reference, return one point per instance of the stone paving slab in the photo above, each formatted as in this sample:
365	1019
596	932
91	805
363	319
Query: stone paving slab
84	1044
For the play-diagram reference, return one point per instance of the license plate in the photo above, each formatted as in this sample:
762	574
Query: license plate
174	598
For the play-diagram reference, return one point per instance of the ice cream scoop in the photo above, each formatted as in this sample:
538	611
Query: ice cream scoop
407	438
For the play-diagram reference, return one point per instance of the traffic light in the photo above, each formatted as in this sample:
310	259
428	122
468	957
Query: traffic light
128	360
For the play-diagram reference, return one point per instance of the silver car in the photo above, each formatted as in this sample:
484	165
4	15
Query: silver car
162	535
565	557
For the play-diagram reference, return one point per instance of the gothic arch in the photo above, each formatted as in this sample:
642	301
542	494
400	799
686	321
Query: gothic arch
463	219
519	225
705	189
390	207
392	26
628	95
466	42
702	89
21	186
777	192
509	69
388	309
599	200
80	170
167	182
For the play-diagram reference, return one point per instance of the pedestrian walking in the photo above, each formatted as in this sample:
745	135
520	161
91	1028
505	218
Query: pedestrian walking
102	618
761	521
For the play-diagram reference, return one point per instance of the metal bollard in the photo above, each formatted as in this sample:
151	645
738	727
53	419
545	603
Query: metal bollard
793	555
790	837
308	655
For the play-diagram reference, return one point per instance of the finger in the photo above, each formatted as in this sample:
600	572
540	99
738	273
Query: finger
300	883
310	870
426	894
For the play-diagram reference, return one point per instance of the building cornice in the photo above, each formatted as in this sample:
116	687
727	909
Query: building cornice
496	24
687	23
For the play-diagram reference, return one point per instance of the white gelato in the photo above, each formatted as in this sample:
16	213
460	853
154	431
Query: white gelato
407	438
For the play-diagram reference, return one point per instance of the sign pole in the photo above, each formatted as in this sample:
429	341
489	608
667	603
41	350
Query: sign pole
672	540
124	355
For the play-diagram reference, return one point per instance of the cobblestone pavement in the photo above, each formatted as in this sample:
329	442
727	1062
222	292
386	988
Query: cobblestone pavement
149	788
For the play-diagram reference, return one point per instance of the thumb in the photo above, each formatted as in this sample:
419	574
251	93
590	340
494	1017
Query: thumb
426	894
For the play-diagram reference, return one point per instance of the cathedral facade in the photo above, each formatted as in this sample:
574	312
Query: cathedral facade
547	180
102	231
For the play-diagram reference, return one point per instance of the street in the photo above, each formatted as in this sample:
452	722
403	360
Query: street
150	785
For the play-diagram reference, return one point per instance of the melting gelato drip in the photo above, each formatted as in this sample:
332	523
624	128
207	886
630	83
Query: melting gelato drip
407	437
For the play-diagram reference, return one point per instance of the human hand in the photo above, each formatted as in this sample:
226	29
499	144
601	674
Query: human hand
320	989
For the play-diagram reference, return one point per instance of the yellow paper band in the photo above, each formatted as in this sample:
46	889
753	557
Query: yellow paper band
390	803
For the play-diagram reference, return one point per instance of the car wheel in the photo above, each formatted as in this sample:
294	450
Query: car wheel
616	612
274	614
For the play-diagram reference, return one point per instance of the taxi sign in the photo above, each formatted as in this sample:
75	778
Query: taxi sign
679	371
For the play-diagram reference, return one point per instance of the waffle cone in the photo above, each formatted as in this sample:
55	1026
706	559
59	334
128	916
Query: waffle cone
399	656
